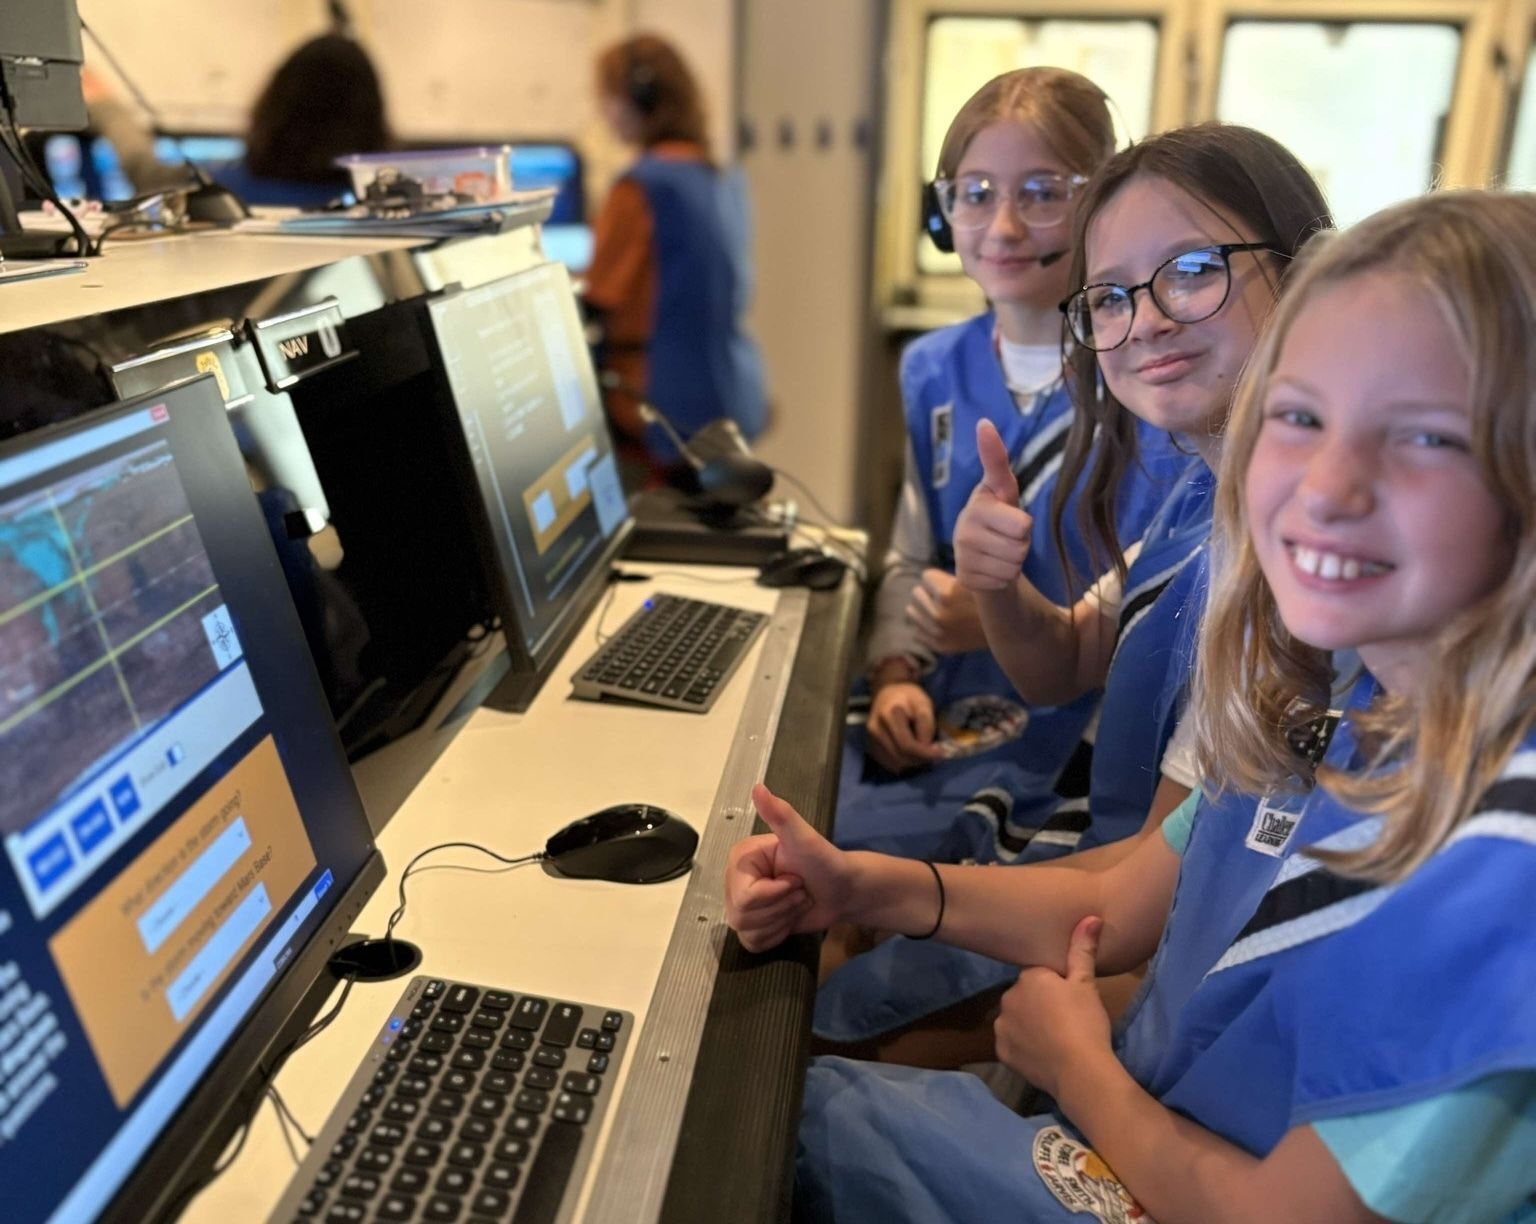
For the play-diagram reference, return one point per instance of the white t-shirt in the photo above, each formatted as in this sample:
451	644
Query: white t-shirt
1029	369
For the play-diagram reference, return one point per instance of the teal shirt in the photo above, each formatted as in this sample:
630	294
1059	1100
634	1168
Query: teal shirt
1463	1157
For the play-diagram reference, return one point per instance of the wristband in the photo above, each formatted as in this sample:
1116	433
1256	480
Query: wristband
939	921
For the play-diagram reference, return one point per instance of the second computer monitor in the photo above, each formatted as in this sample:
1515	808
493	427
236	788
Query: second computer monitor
537	442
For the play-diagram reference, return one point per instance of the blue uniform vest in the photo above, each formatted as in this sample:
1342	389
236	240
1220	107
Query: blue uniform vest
1281	994
700	365
902	980
951	380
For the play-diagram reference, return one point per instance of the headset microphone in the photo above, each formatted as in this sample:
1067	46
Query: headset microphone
1047	260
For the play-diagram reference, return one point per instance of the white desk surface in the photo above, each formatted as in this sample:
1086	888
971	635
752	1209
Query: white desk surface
134	272
509	781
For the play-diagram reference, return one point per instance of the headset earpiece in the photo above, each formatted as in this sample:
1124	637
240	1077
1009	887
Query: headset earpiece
934	223
644	93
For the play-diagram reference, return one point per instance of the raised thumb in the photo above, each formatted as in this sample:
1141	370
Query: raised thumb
787	823
996	472
1083	949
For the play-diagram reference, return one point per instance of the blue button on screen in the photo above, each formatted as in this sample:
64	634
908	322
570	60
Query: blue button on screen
50	861
92	826
124	798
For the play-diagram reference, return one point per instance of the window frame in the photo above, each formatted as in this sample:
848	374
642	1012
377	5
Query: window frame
1518	46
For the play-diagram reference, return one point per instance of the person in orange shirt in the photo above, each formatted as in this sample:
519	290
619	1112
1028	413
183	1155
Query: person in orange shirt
670	274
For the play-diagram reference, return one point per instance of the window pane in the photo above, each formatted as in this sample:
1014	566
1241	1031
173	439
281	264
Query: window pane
964	53
1521	172
1362	104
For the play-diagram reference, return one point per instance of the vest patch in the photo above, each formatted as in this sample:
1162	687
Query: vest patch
1081	1182
941	433
1272	829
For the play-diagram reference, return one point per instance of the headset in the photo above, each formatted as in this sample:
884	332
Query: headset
935	224
641	85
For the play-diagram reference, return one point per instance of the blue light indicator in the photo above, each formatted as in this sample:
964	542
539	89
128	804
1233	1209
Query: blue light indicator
394	1026
649	604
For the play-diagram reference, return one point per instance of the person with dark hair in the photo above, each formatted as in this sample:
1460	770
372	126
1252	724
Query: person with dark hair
323	101
670	274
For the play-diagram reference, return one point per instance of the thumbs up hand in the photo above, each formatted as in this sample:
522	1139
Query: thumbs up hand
1052	1022
783	883
992	535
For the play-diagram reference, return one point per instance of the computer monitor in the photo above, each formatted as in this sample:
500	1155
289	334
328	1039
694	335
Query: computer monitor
550	511
182	843
40	58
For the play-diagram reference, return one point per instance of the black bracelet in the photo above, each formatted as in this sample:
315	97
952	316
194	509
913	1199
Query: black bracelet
939	921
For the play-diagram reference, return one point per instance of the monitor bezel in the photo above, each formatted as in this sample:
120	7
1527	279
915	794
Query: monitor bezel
531	668
197	1132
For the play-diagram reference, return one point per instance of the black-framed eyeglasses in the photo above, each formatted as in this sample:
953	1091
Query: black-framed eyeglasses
970	201
1187	288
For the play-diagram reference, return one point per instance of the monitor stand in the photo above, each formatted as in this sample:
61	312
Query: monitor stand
674	526
15	242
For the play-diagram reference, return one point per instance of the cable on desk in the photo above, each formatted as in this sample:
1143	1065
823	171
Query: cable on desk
410	868
283	1124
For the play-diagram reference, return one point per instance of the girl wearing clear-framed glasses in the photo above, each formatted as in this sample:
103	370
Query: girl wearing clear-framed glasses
1012	165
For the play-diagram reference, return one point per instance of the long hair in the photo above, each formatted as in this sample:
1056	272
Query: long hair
1433	752
1239	174
323	101
649	72
1070	113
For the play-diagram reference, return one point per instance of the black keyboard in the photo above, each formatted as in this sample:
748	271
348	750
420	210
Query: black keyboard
672	652
473	1105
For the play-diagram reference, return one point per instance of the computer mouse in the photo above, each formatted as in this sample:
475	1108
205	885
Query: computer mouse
631	843
807	567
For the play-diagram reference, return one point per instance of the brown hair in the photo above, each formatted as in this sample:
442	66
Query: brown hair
648	72
324	100
1434	752
1237	173
1069	111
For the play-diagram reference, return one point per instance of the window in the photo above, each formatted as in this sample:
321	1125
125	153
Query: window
1298	80
962	53
1520	171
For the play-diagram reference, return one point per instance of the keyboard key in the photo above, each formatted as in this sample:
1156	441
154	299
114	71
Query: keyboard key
549	1056
541	1078
477	1130
422	1010
569	1108
597	1064
522	1126
488	1019
507	1060
435	1130
447	1105
460	999
397	1207
422	1153
499	1000
500	1082
613	1021
343	1147
425	1063
328	1174
548	1174
604	1042
375	1159
531	1102
516	1039
587	1039
469	1060
433	989
529	1013
386	1073
458	1081
360	1186
438	1043
488	1106
501	1176
448	1022
477	1039
409	1181
515	1150
312	1203
455	1181
466	1155
490	1202
346	1213
402	1109
442	1207
585	1085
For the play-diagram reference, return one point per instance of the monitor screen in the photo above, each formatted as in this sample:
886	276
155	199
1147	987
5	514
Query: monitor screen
526	398
177	820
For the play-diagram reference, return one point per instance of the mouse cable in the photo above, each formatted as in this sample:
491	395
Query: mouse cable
410	869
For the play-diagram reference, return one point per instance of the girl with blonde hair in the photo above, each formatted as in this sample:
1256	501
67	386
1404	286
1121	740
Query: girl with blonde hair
1344	988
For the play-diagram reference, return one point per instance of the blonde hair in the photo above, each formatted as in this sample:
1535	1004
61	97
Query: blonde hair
1068	110
1430	754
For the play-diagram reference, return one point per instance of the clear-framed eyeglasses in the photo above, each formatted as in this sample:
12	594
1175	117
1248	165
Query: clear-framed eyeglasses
970	201
1188	288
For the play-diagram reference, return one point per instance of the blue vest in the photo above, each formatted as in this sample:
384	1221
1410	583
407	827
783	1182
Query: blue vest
700	365
1143	698
951	380
1337	996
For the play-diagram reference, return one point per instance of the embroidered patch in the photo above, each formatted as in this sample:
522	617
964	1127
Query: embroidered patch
1081	1182
977	724
1272	829
941	431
